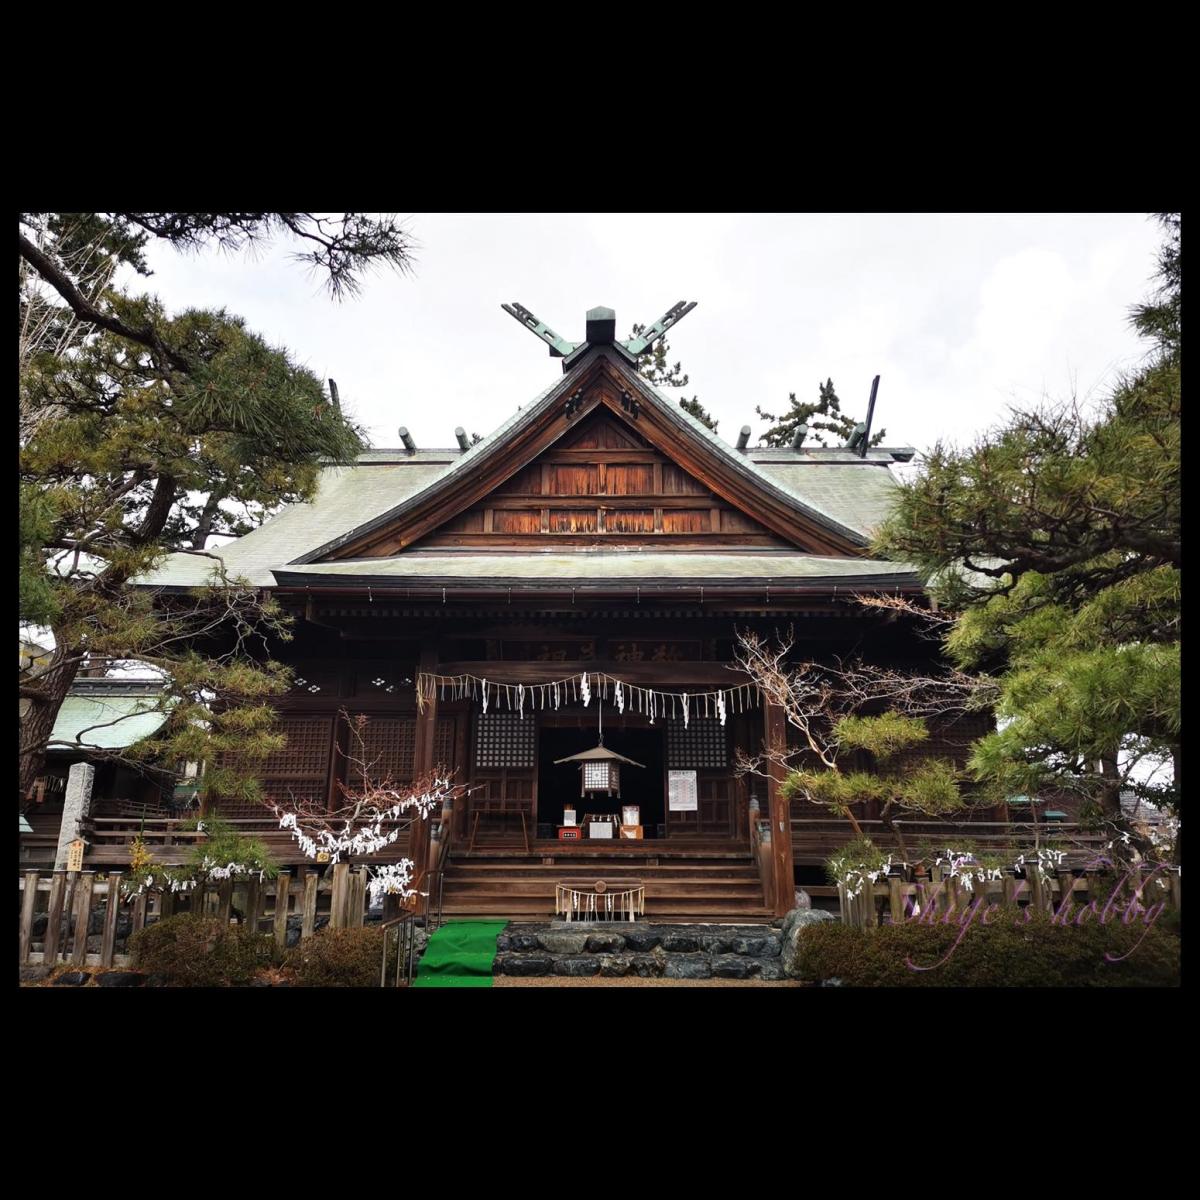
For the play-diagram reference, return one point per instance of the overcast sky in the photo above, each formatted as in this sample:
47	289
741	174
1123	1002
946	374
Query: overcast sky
961	315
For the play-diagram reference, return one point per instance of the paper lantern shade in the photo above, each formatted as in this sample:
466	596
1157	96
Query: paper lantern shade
600	777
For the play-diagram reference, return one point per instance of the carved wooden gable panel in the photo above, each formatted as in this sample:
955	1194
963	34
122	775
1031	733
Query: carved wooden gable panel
600	467
602	482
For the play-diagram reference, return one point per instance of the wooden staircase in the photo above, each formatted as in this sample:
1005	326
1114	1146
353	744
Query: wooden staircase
720	883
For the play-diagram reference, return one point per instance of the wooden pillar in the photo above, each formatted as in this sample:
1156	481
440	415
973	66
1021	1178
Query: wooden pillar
781	816
423	751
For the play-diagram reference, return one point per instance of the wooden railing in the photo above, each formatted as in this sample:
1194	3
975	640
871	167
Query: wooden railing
433	884
68	900
171	843
760	852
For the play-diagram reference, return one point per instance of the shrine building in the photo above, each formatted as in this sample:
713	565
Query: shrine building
575	582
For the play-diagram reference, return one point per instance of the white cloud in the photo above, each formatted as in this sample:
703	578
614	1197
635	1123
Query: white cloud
961	314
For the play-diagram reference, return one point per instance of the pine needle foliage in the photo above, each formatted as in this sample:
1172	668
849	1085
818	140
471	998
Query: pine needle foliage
1057	539
145	433
823	417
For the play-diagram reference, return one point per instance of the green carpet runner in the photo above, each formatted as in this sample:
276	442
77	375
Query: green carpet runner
460	954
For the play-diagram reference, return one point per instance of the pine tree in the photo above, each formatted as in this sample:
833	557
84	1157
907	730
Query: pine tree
823	417
1057	538
142	434
653	367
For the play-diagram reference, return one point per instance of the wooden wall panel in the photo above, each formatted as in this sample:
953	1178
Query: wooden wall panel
581	480
677	482
629	520
572	520
526	482
686	520
517	520
630	479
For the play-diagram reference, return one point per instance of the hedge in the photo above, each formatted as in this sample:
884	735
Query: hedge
1010	952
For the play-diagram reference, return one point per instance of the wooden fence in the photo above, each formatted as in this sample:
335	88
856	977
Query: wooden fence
892	900
74	903
815	839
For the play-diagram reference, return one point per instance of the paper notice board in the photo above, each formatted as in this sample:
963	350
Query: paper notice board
681	791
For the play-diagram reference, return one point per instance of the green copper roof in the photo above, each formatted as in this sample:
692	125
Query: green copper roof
835	487
597	566
105	722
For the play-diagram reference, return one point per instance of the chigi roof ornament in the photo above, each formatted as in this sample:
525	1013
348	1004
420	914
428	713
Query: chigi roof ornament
601	331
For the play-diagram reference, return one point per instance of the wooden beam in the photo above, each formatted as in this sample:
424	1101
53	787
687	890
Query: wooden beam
781	817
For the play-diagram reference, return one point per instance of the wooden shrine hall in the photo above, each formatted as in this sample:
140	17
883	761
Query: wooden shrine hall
583	570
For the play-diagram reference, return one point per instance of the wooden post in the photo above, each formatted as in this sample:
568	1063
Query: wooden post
139	912
252	905
358	901
28	907
870	913
780	813
1033	875
198	899
58	885
338	906
224	900
1176	891
895	900
112	908
282	883
952	894
83	917
166	904
309	919
1008	885
69	909
1066	890
423	751
935	888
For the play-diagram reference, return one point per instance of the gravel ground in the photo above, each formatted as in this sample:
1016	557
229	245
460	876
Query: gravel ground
632	981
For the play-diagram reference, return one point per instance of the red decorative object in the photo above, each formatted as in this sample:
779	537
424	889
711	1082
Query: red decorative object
569	833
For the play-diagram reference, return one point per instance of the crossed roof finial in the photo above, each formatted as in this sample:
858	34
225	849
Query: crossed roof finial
601	331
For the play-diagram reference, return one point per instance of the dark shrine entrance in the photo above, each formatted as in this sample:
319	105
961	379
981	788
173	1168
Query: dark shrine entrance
559	785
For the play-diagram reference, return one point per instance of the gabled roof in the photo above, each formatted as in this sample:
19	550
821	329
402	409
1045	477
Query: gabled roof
842	494
501	452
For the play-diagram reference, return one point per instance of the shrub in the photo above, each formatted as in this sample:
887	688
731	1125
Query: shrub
193	951
1007	953
340	958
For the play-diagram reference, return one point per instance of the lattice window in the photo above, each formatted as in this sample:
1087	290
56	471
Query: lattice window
702	744
443	742
307	748
504	740
298	772
388	744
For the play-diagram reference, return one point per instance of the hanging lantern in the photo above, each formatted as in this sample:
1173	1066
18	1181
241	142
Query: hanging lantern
599	770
